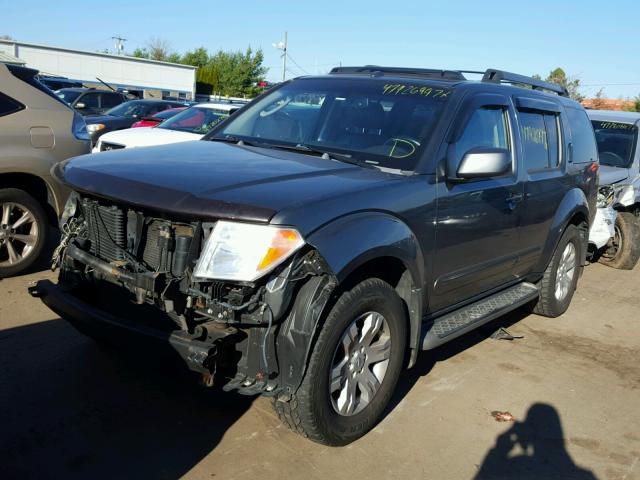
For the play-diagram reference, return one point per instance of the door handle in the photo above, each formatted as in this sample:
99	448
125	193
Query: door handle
513	200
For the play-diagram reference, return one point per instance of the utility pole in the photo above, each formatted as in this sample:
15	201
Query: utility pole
283	46
119	45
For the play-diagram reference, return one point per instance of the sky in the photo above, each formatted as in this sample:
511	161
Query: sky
594	41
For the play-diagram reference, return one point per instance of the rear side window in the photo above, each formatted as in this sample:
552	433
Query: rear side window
9	105
539	133
584	141
111	100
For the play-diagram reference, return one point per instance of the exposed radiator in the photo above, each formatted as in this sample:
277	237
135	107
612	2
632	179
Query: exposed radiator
106	230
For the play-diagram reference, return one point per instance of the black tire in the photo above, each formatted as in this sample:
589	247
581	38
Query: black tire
623	251
310	412
548	304
22	198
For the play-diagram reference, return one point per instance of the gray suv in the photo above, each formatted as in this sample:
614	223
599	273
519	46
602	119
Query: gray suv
314	241
37	130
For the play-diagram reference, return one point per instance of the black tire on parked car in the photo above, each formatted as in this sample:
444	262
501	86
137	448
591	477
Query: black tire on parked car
353	369
623	250
561	276
23	231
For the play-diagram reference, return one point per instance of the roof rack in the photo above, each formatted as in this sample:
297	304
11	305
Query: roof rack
499	76
375	70
491	75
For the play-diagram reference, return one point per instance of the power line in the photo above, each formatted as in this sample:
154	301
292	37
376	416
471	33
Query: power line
119	44
296	64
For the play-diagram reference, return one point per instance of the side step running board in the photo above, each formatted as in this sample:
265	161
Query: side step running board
461	321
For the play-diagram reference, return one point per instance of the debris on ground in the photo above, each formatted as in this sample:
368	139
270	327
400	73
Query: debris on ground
504	334
502	416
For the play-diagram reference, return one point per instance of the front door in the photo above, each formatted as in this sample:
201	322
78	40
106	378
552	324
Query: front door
477	226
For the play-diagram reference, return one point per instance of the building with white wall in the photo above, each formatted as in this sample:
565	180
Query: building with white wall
119	71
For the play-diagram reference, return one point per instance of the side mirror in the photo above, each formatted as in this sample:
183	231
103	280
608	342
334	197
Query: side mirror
80	105
484	162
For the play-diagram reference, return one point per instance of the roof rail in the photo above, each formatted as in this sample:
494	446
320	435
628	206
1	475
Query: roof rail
500	76
375	70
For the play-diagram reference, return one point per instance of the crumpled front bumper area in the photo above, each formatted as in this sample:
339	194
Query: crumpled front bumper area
603	227
199	356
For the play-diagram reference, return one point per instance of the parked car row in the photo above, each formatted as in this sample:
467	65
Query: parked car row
314	241
181	126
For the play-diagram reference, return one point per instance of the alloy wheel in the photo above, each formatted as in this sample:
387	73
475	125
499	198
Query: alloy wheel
359	363
566	271
18	233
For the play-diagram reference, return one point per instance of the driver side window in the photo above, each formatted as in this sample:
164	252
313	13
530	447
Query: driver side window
487	127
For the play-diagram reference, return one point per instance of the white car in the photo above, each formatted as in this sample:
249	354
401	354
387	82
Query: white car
190	124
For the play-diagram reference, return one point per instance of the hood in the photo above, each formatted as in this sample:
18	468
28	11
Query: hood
208	180
147	136
610	175
110	120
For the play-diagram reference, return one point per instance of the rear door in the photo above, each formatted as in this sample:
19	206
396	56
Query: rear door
478	220
543	151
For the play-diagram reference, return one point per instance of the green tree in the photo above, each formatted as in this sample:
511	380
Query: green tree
232	73
572	84
197	58
140	53
634	104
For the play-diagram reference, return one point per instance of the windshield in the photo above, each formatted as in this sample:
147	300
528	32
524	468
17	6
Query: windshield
379	122
616	142
68	96
135	109
195	120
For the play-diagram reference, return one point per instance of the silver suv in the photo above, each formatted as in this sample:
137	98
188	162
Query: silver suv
36	130
619	191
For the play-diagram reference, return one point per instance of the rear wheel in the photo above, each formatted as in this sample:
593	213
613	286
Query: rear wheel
623	250
353	369
23	230
561	276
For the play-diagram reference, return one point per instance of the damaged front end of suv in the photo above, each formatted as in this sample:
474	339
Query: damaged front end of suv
218	291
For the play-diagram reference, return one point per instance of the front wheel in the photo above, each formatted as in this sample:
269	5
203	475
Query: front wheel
353	369
623	250
561	276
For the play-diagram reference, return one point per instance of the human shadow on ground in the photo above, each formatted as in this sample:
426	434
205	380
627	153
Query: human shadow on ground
532	449
70	408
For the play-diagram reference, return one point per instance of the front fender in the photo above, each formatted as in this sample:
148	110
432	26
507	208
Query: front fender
351	241
573	204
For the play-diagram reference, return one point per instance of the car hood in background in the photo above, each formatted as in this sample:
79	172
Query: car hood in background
209	180
610	175
110	121
147	136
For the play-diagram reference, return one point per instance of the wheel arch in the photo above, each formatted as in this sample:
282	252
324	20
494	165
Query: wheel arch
573	210
38	188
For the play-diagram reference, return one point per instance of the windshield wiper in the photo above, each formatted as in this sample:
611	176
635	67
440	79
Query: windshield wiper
341	157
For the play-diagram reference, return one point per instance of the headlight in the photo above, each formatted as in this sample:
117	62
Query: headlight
625	194
95	127
70	208
245	252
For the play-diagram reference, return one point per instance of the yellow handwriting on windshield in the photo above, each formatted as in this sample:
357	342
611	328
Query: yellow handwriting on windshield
404	89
